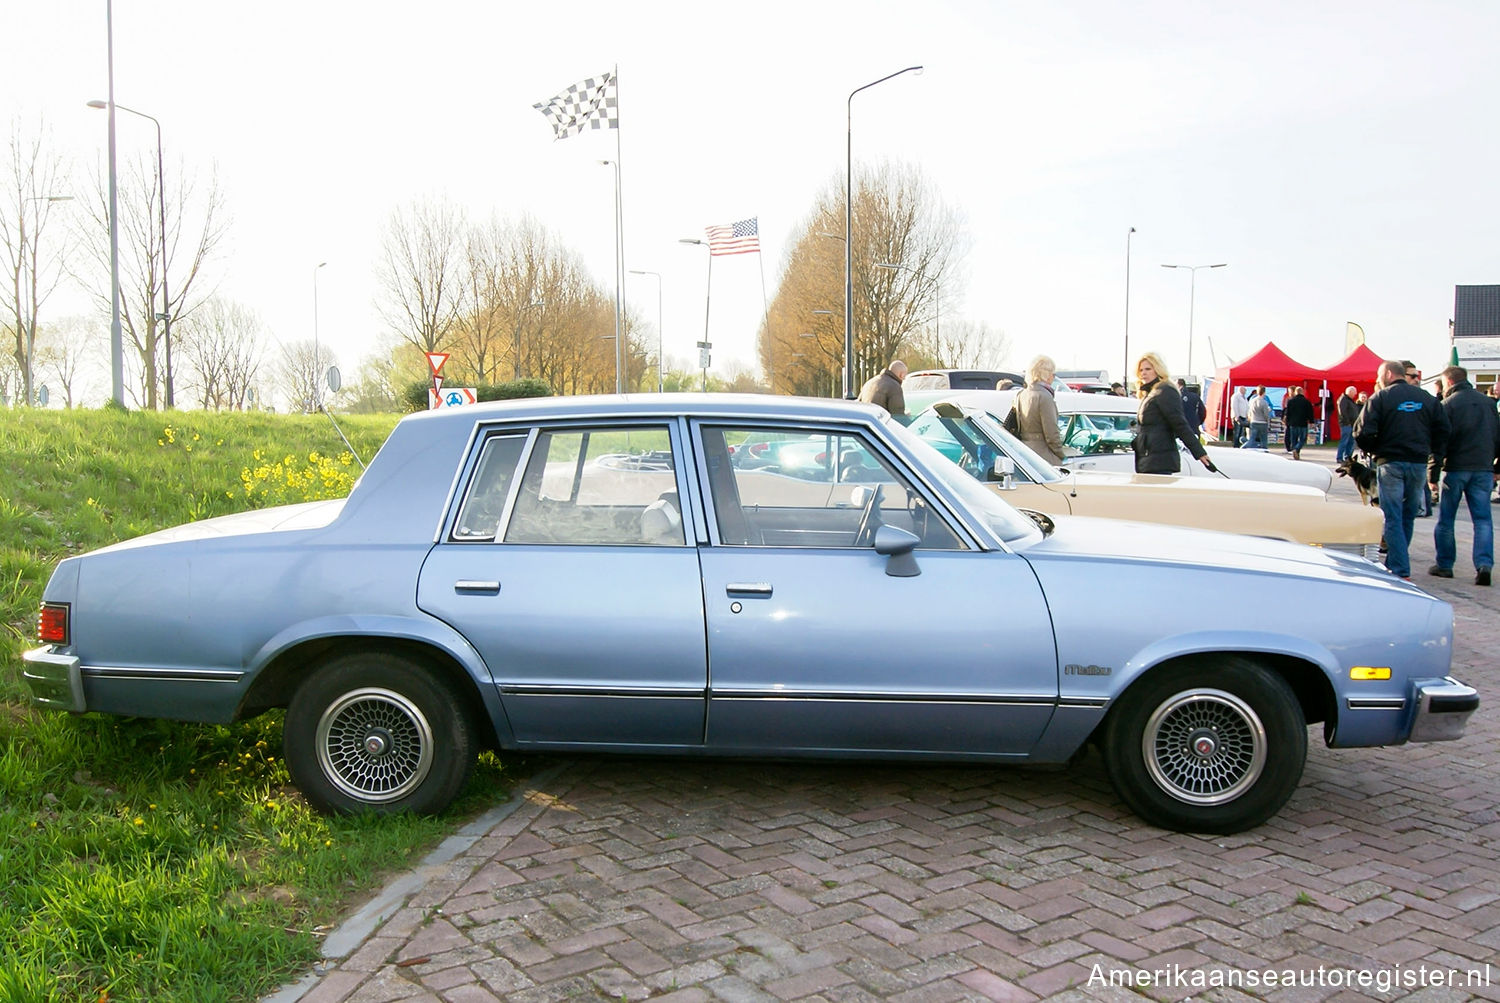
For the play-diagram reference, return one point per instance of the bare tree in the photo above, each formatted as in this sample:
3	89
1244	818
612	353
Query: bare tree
300	372
220	353
898	220
196	223
964	344
421	274
34	181
61	350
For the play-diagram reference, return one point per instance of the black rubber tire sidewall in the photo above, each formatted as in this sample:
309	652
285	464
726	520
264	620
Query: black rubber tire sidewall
453	736
1266	693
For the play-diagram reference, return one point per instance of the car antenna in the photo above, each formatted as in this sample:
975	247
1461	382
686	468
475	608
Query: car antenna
335	381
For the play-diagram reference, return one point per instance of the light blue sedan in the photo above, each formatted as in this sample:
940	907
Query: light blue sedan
739	576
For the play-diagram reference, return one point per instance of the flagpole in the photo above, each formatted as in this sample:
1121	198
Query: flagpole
619	252
766	312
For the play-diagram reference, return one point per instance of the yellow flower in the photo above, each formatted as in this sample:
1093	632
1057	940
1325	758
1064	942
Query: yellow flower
140	821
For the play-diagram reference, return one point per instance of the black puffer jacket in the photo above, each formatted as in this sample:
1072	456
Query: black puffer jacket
1299	411
1161	427
1474	431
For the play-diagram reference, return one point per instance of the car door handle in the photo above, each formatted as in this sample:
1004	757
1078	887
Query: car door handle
748	589
467	586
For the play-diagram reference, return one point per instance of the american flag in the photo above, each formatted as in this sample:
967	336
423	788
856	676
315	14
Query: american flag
588	104
734	238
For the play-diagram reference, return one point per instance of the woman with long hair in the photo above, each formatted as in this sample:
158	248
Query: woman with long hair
1161	424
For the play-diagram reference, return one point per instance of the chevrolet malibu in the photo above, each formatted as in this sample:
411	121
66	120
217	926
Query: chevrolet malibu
617	574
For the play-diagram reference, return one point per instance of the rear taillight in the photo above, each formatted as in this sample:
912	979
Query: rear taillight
52	623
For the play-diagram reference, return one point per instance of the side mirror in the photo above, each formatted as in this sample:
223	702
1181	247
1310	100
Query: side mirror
897	544
1004	471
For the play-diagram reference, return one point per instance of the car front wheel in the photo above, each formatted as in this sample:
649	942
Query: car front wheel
1207	746
375	732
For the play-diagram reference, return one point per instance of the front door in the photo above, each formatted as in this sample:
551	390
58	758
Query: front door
814	648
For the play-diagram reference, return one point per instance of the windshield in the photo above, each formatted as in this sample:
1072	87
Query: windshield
1011	526
1099	433
973	439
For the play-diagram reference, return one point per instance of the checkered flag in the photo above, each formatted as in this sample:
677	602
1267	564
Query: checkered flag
590	103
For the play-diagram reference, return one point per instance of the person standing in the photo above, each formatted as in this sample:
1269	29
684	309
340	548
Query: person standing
885	388
1400	426
1160	421
1239	411
1467	462
1298	415
1036	411
1193	408
1348	411
1260	421
1414	377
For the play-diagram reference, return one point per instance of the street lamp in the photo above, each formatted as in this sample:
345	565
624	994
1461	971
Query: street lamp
317	368
660	382
937	285
619	283
1192	283
1125	378
849	227
161	189
708	287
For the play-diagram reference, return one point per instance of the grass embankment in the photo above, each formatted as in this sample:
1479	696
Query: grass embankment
150	860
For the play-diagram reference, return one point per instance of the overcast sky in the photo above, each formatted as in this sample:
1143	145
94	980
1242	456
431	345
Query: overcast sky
1340	157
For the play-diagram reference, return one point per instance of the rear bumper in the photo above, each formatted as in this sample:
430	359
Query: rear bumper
1442	712
56	681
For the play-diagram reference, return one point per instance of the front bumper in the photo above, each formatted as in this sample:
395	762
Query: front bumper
56	680
1442	711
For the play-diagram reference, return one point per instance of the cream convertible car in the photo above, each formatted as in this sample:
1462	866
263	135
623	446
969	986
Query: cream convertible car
1098	431
974	439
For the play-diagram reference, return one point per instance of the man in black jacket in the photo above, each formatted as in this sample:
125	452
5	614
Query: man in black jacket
1467	462
1401	425
1297	416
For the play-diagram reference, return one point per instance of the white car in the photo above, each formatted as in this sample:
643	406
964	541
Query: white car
1098	432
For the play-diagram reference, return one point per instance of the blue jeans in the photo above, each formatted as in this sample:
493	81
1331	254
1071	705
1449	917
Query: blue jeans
1260	435
1346	445
1402	486
1296	438
1473	486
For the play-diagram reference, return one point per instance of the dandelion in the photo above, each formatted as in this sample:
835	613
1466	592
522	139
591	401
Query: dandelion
326	842
139	820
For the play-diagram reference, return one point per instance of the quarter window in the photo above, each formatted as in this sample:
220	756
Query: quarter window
484	505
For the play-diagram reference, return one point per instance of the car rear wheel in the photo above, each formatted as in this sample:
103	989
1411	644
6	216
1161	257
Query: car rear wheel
376	732
1213	746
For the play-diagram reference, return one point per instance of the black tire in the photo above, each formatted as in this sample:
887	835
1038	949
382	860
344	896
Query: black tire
377	732
1253	745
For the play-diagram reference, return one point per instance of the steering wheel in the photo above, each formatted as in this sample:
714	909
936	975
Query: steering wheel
869	519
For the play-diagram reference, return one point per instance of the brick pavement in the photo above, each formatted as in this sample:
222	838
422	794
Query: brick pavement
612	879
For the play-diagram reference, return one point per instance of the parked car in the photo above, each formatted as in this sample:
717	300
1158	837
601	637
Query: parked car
559	574
1098	433
958	379
974	439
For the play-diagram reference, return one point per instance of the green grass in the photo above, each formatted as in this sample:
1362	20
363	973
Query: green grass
152	860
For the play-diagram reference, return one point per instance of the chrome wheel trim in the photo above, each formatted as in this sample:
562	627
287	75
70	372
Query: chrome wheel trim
374	745
1204	747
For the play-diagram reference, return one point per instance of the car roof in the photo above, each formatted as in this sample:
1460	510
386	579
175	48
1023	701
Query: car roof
1068	401
654	405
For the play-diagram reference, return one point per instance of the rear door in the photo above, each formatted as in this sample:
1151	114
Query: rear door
567	566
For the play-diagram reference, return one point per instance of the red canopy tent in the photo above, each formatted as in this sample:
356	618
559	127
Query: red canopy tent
1270	366
1357	369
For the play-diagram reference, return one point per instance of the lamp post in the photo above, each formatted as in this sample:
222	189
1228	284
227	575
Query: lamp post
708	287
937	285
161	193
520	316
619	284
660	381
1192	283
317	368
116	337
1125	370
849	227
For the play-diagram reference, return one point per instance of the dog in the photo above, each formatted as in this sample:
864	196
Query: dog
1363	476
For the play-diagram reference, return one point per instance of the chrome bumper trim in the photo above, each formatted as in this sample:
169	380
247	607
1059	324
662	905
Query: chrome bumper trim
55	680
1443	709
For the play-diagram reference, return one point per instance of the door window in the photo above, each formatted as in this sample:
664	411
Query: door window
592	486
780	487
484	504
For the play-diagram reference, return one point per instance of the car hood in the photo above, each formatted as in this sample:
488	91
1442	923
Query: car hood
280	518
1112	540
